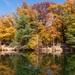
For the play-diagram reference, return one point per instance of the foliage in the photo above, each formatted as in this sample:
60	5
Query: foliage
24	30
7	31
48	20
69	34
34	26
41	9
4	70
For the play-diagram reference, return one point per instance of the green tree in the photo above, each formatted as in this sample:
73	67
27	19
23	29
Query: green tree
69	28
24	30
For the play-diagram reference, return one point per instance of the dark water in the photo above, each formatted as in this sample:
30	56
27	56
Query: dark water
63	65
44	64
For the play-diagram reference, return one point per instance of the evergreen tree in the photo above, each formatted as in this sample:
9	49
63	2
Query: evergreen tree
24	30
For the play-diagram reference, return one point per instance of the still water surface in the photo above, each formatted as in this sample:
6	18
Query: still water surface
48	64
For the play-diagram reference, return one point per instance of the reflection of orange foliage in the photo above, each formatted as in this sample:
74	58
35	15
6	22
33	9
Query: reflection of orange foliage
6	70
55	69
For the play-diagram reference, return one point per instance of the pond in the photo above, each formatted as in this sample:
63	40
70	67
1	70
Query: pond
43	64
63	65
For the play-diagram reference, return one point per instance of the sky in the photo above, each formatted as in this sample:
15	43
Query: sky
9	6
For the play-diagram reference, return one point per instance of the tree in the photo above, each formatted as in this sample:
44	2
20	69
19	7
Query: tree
41	9
69	28
29	12
24	30
7	30
61	20
38	27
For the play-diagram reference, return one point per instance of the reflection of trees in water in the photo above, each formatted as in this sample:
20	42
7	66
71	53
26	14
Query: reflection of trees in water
47	63
68	65
63	65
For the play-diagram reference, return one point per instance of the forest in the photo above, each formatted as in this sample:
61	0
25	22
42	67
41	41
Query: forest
31	29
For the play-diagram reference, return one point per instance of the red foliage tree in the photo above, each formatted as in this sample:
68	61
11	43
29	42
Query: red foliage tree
41	9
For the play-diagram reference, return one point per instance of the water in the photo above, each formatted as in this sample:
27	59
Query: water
47	64
64	65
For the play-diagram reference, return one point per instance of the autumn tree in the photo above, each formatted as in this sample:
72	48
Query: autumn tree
55	21
7	30
41	9
24	31
68	22
61	12
28	11
47	27
34	23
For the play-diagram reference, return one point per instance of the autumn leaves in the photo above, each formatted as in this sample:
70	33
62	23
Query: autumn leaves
30	21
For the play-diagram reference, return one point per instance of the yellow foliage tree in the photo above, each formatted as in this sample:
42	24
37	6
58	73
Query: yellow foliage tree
33	42
7	30
28	11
